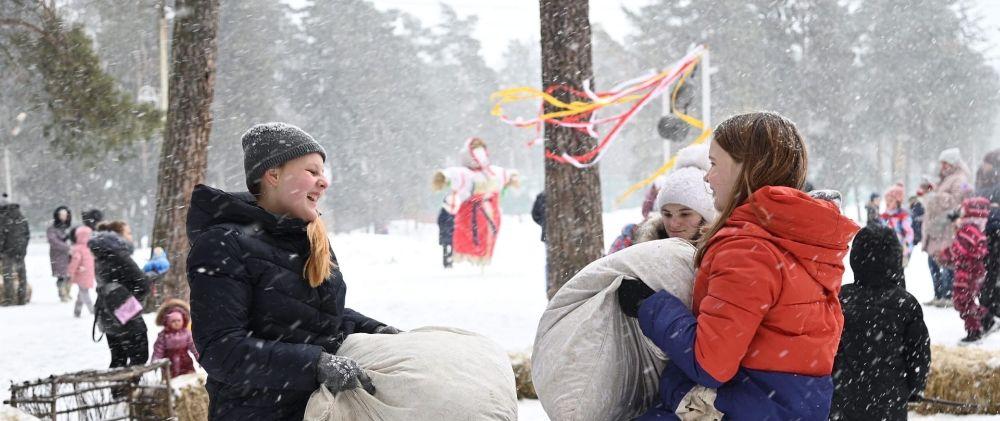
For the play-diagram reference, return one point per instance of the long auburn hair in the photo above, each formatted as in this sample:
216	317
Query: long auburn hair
772	153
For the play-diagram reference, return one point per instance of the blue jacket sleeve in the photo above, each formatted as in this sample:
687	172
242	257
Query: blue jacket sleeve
221	299
670	325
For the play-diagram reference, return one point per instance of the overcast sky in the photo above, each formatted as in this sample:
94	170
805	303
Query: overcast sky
501	21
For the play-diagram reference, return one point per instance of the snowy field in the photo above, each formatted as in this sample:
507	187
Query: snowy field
395	278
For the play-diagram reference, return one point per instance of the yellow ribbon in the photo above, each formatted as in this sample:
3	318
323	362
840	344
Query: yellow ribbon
522	93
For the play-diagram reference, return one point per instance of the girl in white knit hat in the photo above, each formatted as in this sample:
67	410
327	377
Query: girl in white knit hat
684	202
685	199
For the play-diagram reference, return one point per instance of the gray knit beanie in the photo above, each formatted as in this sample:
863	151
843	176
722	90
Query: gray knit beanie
269	145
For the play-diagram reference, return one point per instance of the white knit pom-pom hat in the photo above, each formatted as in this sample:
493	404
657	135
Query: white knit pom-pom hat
686	185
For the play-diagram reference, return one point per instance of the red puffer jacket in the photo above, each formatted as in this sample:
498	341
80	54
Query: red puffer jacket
766	291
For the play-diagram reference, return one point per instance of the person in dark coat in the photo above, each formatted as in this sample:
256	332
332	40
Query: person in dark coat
872	209
538	212
91	218
58	236
917	211
988	186
446	229
267	294
884	351
112	248
14	236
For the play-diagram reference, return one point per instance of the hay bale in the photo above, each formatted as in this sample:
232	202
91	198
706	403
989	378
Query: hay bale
521	362
966	375
190	397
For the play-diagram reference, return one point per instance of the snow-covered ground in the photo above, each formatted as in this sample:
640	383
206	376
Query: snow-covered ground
395	278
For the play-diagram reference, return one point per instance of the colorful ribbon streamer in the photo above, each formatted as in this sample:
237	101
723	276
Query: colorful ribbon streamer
581	114
694	122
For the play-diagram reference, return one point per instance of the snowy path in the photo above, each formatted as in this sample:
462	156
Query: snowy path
395	278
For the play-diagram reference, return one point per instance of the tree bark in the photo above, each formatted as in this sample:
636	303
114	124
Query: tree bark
184	156
573	226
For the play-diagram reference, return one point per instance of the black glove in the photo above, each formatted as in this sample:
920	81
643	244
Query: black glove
342	373
386	330
955	214
631	293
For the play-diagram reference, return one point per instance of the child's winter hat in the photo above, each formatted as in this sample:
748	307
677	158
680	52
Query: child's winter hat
895	193
952	156
686	185
269	145
975	207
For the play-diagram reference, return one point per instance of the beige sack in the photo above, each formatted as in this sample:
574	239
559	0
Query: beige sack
590	361
430	373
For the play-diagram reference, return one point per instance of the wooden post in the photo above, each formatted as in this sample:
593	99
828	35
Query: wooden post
165	372
53	391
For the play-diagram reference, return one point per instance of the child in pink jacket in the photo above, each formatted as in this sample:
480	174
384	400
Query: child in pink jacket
175	341
81	270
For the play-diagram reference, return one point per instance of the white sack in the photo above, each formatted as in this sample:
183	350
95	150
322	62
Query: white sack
590	361
430	373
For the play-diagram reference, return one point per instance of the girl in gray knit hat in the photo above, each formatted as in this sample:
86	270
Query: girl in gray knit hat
267	297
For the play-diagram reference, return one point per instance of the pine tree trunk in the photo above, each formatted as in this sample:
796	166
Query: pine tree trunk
573	227
184	156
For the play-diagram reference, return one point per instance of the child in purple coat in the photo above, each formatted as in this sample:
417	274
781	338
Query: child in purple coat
175	342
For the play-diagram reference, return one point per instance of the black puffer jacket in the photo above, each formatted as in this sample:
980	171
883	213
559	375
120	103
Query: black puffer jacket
989	296
14	232
258	324
884	352
113	263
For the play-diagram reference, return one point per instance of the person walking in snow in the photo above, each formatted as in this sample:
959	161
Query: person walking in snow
917	209
773	255
872	209
988	186
14	236
57	235
175	341
267	295
898	219
446	229
155	268
938	229
475	188
885	351
683	203
81	270
121	288
966	257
